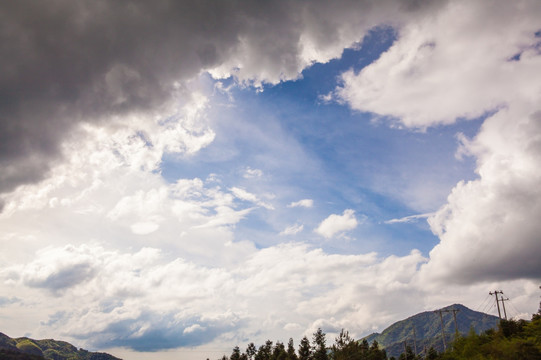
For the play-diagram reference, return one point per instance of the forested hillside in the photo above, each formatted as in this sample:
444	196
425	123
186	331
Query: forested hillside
424	330
24	348
511	339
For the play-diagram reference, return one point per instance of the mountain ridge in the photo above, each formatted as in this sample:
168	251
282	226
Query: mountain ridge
24	348
423	330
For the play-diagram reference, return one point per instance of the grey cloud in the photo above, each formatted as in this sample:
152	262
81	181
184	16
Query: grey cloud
164	332
8	300
63	278
64	62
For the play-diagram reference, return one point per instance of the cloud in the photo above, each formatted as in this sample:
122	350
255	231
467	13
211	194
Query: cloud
437	73
8	300
252	173
307	203
59	269
68	63
148	301
337	223
408	219
292	230
247	196
499	211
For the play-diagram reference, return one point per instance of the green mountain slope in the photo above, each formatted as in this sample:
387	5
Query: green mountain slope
29	349
427	329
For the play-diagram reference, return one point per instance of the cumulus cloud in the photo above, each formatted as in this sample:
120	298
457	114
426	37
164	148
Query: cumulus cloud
437	73
307	203
499	211
337	223
145	302
58	269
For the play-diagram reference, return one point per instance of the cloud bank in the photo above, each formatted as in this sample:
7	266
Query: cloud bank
94	96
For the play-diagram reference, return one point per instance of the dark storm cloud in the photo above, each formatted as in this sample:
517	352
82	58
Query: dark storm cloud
64	62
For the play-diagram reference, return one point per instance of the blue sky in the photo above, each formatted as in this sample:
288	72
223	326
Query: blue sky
191	178
342	159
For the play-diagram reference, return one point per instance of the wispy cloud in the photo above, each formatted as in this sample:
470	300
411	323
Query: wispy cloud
250	173
307	203
292	230
247	196
409	219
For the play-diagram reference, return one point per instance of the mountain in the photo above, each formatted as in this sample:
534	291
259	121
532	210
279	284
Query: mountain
427	327
29	349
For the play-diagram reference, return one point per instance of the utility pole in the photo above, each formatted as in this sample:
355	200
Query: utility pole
414	342
442	332
405	350
495	293
454	316
503	305
441	311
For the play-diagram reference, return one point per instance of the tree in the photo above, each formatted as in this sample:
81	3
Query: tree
304	349
264	352
344	347
319	349
342	341
408	354
432	354
375	353
279	351
235	355
251	351
291	355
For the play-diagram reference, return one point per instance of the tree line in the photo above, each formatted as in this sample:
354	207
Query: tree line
344	348
514	339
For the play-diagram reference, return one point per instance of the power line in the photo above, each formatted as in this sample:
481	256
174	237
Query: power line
478	308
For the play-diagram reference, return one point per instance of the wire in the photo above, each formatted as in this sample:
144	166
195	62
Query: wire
515	308
482	303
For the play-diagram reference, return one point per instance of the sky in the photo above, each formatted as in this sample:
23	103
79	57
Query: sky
180	177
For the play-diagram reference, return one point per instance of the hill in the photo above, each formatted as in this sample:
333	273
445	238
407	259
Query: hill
29	349
427	329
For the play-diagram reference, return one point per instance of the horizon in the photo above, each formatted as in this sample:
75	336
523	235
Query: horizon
181	177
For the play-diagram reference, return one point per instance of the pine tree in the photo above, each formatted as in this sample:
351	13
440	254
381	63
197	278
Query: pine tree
319	350
235	355
291	355
304	349
251	351
279	352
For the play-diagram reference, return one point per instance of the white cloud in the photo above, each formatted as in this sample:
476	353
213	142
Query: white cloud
408	219
252	173
292	229
488	228
437	72
337	224
110	189
247	196
307	203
